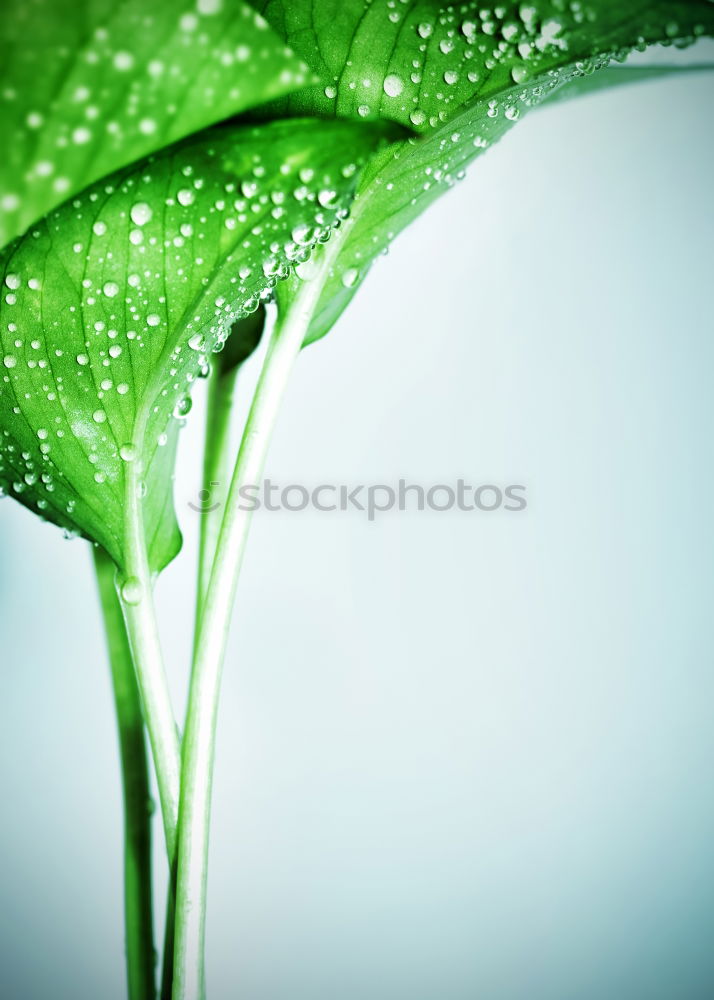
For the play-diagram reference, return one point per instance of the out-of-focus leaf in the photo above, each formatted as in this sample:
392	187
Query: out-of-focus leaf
89	86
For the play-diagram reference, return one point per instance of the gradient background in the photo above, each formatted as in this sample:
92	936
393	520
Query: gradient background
460	755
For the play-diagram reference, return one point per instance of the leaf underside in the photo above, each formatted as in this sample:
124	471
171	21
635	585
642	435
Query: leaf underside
89	86
460	75
112	305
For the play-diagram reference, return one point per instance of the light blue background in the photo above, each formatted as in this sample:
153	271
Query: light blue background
460	756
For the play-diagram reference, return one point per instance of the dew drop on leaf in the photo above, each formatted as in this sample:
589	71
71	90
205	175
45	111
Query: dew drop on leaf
393	85
349	277
141	213
183	407
123	61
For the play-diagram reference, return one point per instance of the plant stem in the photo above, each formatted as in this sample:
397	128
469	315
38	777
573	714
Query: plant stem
199	738
243	341
216	470
137	601
138	912
167	970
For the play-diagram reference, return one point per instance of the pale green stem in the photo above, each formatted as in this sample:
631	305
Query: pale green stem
137	600
216	469
199	737
138	911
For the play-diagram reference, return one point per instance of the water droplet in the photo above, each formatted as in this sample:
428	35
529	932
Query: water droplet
127	452
9	361
349	277
188	22
111	289
141	213
393	85
327	198
183	407
12	281
303	234
131	591
186	197
123	61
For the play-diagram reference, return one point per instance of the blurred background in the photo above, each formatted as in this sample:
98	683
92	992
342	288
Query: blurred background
460	755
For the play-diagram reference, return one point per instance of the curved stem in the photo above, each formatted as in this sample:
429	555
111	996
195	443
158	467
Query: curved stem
199	738
137	601
138	911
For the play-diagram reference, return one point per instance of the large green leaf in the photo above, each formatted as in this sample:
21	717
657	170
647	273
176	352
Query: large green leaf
460	75
88	86
112	305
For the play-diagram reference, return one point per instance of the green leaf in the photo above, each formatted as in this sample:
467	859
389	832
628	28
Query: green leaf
460	75
90	86
112	305
621	76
